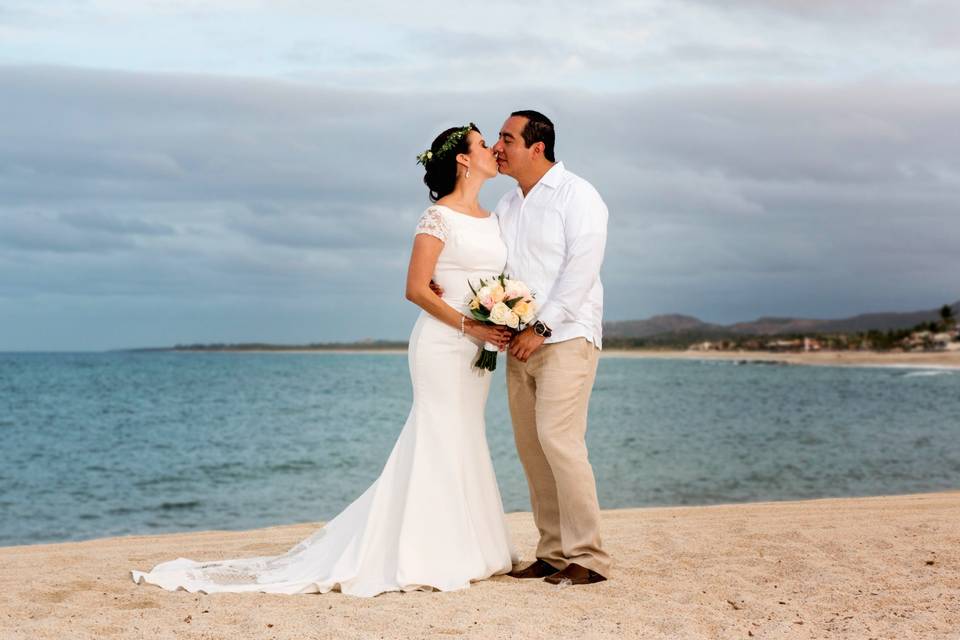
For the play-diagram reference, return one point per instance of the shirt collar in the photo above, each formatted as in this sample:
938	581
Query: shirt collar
552	178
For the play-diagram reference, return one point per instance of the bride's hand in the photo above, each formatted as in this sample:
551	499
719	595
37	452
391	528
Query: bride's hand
493	334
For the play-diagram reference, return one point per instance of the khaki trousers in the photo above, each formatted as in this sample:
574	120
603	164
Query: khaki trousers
549	395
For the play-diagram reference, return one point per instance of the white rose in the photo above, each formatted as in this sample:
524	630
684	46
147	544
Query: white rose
515	289
500	314
513	321
485	295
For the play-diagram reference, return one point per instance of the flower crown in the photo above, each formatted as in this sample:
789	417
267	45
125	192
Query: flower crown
451	142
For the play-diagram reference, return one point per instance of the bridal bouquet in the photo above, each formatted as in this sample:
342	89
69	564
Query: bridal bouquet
500	301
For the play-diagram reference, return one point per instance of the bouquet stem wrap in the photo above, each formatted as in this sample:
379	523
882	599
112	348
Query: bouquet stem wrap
488	357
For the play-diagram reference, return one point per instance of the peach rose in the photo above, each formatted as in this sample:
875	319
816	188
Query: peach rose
525	309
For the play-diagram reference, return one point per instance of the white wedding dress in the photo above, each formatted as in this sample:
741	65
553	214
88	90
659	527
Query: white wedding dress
434	518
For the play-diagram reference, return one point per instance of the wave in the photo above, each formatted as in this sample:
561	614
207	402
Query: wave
293	466
927	374
178	506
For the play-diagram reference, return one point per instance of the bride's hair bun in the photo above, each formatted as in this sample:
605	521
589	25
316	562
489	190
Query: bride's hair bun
441	175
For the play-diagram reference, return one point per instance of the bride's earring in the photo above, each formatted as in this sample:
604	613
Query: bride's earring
468	172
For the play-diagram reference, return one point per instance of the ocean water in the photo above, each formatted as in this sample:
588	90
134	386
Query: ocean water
95	445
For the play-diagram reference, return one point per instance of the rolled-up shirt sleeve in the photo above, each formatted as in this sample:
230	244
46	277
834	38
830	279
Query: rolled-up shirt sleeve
585	234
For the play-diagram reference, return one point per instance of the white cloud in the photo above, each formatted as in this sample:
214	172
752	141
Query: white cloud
757	157
191	187
606	46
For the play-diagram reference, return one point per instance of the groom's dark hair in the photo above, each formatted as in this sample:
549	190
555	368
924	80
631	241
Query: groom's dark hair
538	129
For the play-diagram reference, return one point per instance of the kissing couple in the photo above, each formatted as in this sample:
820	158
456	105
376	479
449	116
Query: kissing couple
434	518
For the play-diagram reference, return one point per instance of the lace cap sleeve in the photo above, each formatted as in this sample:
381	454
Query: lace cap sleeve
433	224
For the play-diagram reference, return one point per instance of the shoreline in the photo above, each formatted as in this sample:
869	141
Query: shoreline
311	351
881	566
949	360
945	360
614	510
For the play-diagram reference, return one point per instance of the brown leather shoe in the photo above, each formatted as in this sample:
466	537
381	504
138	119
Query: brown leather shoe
538	569
575	574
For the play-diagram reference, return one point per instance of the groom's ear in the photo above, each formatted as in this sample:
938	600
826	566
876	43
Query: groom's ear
537	148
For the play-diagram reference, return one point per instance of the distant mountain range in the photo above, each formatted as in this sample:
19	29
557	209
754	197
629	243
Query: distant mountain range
663	329
681	325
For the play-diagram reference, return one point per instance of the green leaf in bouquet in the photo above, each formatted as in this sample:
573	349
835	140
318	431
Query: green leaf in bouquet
482	317
512	301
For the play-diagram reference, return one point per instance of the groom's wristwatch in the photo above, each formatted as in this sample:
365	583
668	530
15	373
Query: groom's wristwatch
542	330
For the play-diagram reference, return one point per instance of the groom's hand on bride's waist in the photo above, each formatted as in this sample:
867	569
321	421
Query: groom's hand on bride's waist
437	289
525	344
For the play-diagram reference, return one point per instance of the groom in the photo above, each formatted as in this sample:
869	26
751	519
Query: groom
555	227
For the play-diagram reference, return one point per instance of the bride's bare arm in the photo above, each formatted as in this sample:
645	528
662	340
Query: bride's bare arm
423	261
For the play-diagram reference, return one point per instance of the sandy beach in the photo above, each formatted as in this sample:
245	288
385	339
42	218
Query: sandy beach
928	359
880	567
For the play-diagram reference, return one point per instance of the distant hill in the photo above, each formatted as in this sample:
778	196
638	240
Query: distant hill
681	325
658	325
658	331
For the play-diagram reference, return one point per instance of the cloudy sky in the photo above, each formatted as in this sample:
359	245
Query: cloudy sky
241	170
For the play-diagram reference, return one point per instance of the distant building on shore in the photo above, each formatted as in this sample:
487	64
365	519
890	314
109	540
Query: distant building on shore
785	345
702	346
930	341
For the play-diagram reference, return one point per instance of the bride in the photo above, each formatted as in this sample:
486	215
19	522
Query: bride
434	518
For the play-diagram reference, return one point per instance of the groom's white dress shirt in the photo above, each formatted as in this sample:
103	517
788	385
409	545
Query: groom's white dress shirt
555	239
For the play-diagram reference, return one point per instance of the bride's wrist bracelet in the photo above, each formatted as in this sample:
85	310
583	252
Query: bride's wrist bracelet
462	319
